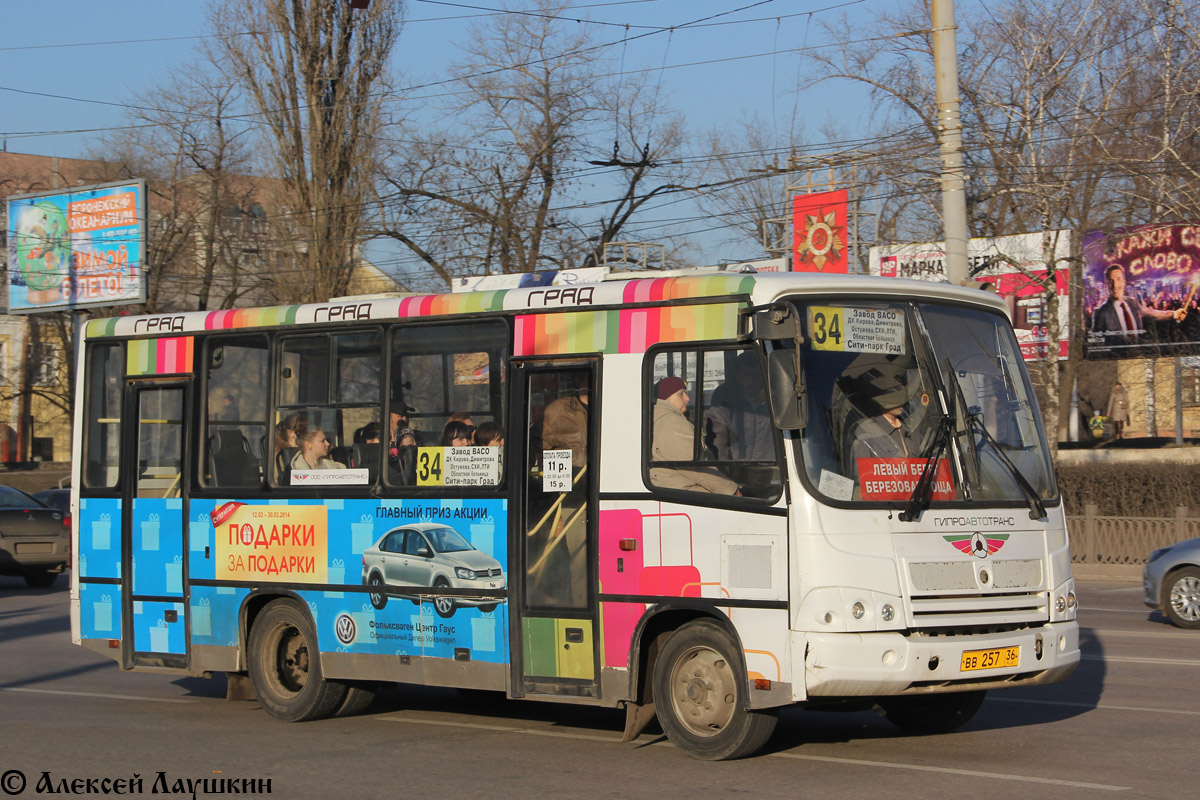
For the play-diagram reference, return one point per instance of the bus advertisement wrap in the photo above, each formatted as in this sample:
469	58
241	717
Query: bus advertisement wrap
84	247
1139	291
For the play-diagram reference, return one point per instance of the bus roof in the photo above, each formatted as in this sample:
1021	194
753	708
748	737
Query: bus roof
760	288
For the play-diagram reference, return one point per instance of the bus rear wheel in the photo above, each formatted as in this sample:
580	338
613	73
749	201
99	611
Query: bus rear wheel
700	695
929	714
285	666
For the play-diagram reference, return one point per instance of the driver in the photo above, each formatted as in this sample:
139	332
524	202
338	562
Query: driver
879	386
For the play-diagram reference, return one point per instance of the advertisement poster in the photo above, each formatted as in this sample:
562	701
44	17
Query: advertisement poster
386	577
84	247
819	230
1012	266
1140	291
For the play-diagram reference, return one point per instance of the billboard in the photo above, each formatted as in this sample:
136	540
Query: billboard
819	232
77	248
1139	291
1013	266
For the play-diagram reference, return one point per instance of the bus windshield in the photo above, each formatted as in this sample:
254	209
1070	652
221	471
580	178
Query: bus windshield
897	388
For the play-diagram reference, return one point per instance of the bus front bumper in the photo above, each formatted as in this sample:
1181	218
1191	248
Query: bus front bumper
890	663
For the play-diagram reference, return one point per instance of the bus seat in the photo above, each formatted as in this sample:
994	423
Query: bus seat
283	464
230	459
366	454
342	454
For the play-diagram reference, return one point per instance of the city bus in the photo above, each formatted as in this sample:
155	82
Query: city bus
697	497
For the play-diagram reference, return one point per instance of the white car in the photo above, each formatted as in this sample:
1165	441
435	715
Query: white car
432	555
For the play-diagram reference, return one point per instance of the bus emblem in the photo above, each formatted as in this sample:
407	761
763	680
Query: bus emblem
345	629
977	544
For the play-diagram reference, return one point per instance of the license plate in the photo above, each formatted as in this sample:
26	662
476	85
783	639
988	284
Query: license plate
997	657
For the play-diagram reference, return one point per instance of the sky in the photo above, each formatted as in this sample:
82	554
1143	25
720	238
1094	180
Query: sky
67	67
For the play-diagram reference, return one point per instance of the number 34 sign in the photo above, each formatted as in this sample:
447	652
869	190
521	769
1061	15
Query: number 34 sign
857	330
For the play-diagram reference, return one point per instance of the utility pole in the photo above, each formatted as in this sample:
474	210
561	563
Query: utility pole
954	197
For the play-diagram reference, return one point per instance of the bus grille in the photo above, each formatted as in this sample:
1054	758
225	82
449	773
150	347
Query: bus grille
979	610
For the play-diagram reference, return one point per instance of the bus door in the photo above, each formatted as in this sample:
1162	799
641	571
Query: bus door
154	554
553	446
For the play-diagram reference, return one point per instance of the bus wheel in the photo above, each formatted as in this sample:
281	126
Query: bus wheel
378	599
443	605
285	666
359	695
931	713
700	695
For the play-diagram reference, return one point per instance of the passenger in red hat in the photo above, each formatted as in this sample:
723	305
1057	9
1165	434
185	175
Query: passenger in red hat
674	440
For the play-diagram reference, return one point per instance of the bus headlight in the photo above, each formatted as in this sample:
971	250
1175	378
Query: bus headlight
858	610
887	613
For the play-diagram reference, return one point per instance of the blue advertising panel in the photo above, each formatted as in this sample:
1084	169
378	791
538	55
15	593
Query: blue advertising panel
77	248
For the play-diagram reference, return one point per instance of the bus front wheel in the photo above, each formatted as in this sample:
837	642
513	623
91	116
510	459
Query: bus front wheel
700	695
931	713
285	666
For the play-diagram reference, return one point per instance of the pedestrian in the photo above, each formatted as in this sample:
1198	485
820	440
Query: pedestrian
1118	409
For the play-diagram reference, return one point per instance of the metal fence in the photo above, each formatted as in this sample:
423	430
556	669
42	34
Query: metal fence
1097	540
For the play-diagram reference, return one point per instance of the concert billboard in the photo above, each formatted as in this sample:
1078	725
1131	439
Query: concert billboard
1139	291
77	248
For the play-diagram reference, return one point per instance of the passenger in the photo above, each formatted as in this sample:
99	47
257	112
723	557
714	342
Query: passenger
738	417
674	440
290	430
367	434
565	426
489	434
406	437
458	434
314	452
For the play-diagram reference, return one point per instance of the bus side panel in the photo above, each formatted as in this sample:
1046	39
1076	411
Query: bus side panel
298	542
99	557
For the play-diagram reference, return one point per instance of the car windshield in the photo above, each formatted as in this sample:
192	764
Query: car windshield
896	388
447	540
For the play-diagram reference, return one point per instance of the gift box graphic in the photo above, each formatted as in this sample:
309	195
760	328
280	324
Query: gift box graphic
150	533
424	625
102	610
102	533
362	533
482	534
175	576
483	633
82	565
337	574
198	533
364	622
158	637
202	618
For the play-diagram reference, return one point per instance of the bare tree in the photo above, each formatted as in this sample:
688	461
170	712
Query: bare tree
530	119
315	71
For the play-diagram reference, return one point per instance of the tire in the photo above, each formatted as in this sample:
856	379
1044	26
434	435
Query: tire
444	606
378	599
700	695
359	695
1181	597
488	608
285	665
928	714
40	579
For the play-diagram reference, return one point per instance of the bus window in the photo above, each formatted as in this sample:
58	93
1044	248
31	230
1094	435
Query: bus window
710	427
328	405
102	437
443	373
235	444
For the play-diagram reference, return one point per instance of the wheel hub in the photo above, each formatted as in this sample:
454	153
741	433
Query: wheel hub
1185	598
293	660
704	693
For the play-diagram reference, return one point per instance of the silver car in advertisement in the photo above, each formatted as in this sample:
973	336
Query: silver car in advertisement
1171	582
432	555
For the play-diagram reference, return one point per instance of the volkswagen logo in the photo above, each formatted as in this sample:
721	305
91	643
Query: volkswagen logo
345	628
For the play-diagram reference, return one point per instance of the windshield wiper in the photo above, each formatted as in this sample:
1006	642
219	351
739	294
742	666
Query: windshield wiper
1036	508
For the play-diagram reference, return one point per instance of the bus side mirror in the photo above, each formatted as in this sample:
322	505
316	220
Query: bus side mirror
785	387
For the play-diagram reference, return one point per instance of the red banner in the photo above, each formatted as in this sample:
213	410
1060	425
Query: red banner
896	478
819	232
